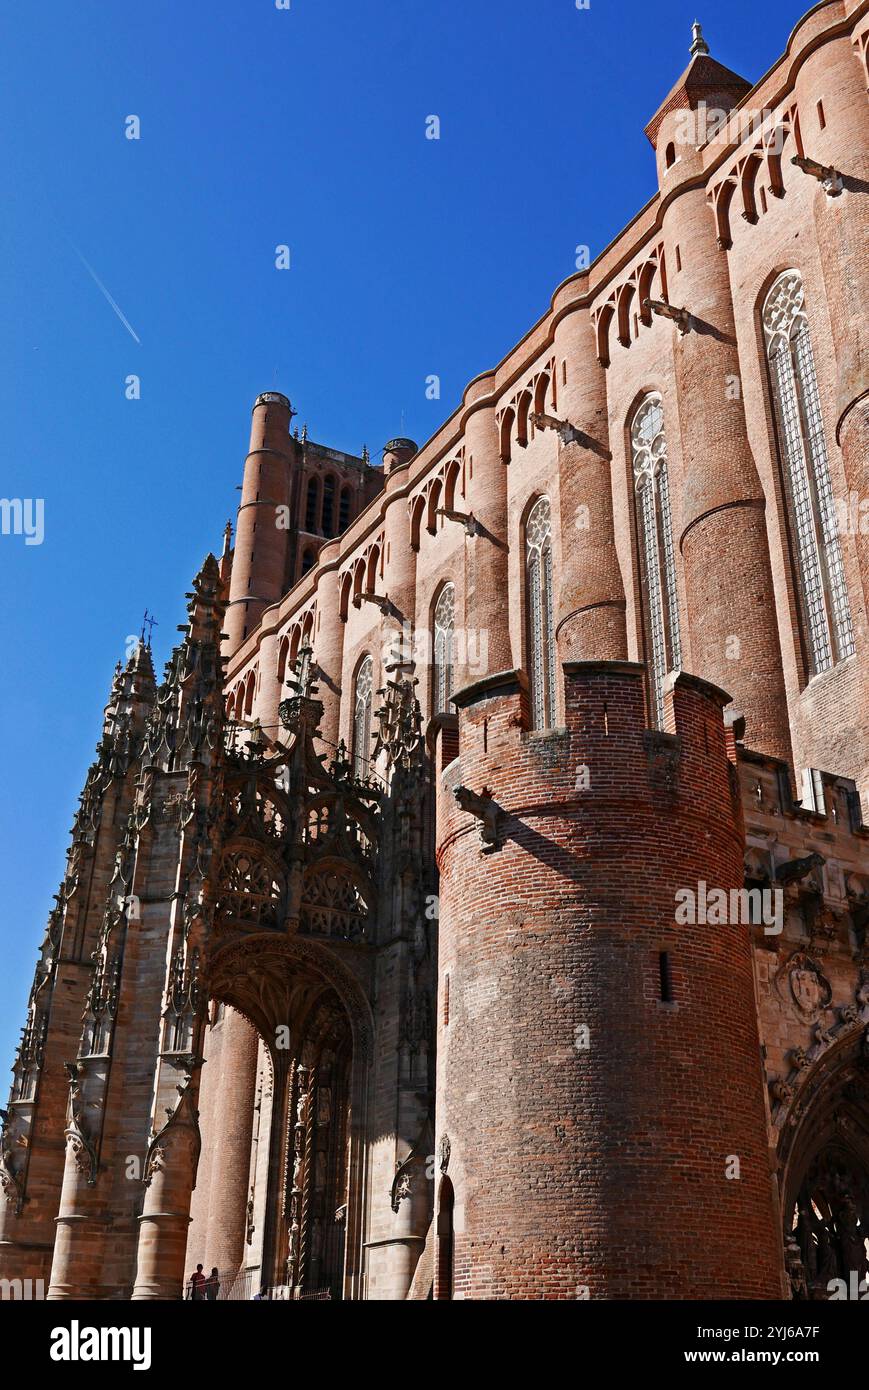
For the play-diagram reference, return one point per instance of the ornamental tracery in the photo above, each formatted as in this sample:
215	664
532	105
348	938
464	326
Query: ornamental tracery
251	889
444	653
824	602
333	905
541	619
655	526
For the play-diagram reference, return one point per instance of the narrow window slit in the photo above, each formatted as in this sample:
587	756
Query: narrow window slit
666	977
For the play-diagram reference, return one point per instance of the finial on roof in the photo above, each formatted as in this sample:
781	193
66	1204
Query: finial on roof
149	622
699	44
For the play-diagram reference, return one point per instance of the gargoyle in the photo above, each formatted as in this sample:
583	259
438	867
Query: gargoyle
568	433
794	870
487	812
679	316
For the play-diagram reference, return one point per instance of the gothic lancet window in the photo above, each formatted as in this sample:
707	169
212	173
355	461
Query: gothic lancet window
311	506
541	629
444	656
657	560
825	610
362	718
328	507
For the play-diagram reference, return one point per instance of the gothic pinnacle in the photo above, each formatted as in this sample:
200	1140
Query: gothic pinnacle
699	44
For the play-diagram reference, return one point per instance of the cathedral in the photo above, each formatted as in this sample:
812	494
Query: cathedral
478	908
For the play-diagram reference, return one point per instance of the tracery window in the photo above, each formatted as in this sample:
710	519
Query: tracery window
328	506
311	506
444	637
825	610
541	628
333	905
362	718
250	890
657	559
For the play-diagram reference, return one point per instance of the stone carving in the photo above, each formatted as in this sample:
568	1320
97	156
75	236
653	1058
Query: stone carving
10	1178
794	871
486	811
333	905
802	983
77	1138
444	1151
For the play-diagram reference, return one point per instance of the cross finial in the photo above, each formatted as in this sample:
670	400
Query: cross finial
150	622
699	44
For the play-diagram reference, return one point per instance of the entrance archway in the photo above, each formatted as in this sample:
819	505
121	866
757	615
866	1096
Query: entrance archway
825	1189
313	1020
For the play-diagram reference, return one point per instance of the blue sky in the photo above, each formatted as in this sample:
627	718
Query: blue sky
409	257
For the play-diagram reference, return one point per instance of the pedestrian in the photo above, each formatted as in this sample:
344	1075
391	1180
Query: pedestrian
212	1285
196	1287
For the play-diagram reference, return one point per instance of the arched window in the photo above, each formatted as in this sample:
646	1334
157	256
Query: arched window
826	613
344	509
250	690
311	506
362	717
358	577
452	477
541	390
344	599
328	507
657	560
417	512
283	653
523	410
444	623
507	420
541	629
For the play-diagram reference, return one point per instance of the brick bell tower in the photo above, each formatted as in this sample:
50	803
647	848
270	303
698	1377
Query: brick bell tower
599	1125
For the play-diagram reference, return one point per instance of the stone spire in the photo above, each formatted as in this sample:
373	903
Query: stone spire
188	714
132	694
699	45
226	557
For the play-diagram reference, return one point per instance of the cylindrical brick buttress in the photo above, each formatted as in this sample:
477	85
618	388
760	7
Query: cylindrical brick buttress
723	537
487	628
600	1118
259	564
590	621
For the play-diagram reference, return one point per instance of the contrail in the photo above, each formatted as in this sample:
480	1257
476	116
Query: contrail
100	286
